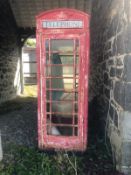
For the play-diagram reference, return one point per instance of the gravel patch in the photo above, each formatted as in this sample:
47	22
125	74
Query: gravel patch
18	122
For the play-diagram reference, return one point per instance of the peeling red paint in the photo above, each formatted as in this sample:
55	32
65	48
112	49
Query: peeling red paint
46	33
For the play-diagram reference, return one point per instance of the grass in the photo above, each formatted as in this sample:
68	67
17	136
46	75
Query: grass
28	161
30	91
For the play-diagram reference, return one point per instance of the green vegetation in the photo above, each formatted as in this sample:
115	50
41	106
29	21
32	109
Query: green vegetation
25	161
30	161
30	42
30	91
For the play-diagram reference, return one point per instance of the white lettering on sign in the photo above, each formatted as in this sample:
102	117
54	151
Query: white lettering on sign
62	24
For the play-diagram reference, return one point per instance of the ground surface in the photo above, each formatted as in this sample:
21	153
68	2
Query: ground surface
18	120
18	126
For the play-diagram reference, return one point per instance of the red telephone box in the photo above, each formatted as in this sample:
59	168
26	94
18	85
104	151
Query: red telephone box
63	59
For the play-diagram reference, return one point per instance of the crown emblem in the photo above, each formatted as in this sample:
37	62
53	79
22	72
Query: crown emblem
62	15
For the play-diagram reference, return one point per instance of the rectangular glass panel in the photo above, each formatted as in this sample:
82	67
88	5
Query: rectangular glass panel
61	83
62	45
59	130
47	45
77	59
61	70
62	107
62	119
57	83
62	58
47	95
66	59
60	96
76	120
47	58
59	58
76	131
76	96
68	70
48	107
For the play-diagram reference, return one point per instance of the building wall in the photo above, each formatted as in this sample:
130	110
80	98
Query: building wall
111	70
9	54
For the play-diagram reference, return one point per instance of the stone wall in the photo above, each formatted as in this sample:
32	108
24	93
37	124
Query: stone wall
9	59
111	73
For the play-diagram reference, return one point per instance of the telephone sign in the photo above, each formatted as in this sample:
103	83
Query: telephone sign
62	24
63	60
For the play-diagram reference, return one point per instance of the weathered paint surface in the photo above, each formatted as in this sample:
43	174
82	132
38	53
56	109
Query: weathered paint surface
80	33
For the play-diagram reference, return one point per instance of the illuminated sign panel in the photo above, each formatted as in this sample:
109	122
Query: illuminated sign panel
62	24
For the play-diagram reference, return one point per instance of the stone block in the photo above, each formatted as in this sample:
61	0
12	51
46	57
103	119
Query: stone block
112	72
127	39
127	68
119	93
119	61
126	154
107	92
100	58
122	94
119	72
106	78
126	170
104	66
106	105
125	125
116	142
107	55
2	76
110	62
119	45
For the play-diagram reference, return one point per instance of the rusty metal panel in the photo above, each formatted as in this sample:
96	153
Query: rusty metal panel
63	59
